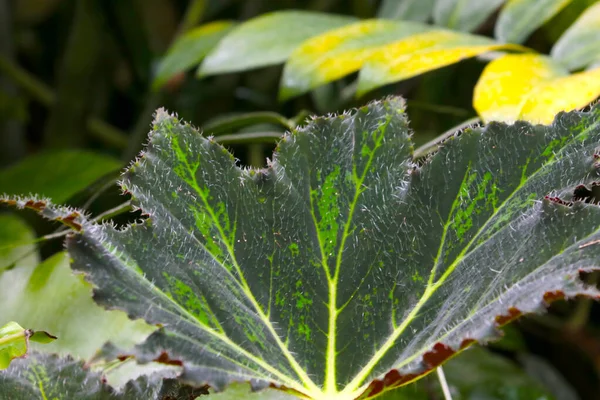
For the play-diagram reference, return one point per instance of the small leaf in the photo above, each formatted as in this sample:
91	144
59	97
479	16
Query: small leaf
14	342
421	53
343	269
520	18
339	52
190	49
406	10
57	174
579	46
561	94
464	15
267	40
506	82
43	376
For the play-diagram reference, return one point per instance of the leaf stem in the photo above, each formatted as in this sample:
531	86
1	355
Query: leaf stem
247	119
443	383
247	137
432	145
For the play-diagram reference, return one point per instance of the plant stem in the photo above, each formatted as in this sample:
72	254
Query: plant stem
41	92
443	383
242	120
249	137
432	145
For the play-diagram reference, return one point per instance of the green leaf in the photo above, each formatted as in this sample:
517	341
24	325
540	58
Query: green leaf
57	174
579	46
464	15
407	10
341	51
48	296
190	49
267	40
14	342
344	269
520	18
43	376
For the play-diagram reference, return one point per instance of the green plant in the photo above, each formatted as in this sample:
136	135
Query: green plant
319	48
345	269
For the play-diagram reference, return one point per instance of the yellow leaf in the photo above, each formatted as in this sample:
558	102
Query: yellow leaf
561	94
505	83
339	52
420	53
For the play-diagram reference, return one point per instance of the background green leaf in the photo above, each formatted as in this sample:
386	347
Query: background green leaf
252	44
519	18
579	46
190	49
406	10
56	174
47	296
464	15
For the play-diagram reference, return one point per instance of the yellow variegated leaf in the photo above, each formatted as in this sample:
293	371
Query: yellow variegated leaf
561	94
580	44
339	52
505	83
420	53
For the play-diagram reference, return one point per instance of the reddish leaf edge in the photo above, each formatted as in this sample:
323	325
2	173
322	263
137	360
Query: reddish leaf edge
441	352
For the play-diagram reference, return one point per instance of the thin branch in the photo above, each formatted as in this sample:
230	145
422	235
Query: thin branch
444	383
432	145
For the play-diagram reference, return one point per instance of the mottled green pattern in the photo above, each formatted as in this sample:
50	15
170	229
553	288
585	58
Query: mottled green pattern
343	259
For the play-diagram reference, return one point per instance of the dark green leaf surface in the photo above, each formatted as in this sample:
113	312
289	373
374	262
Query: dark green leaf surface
43	377
190	49
344	267
520	18
58	175
406	10
267	40
464	15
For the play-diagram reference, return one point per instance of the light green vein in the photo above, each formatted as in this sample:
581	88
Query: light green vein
330	370
308	383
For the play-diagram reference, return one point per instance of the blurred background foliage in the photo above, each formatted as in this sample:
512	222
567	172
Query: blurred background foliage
81	79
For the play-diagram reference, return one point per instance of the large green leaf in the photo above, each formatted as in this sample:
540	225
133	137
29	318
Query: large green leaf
43	376
464	15
267	40
57	174
344	269
579	46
